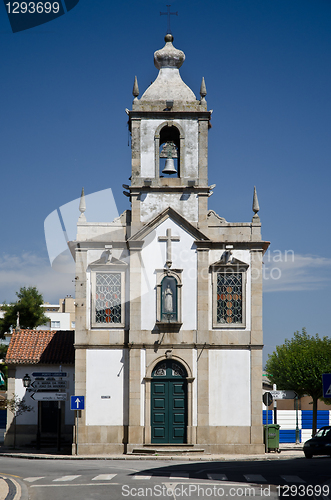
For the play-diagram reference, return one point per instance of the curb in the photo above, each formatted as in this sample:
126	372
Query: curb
14	489
203	458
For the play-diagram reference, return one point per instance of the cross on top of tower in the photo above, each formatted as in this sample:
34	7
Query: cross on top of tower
168	13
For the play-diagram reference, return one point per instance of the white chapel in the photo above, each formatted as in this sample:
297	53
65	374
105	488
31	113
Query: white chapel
168	341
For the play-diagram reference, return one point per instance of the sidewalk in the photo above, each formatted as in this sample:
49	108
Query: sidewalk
12	489
288	451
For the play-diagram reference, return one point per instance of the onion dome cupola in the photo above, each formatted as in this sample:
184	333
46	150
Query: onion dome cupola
168	85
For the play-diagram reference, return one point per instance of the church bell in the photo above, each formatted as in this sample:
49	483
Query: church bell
169	167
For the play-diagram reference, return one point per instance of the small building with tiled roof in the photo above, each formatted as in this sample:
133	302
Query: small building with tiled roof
46	360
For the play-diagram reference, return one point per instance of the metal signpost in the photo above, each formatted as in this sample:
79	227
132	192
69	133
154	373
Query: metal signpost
283	394
267	400
77	403
48	386
289	394
49	374
49	396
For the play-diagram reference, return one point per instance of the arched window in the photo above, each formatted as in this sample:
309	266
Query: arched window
169	152
169	302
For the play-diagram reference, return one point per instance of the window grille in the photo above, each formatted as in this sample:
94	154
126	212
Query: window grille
108	308
229	298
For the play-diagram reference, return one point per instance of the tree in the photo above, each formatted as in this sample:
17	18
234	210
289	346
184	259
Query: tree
3	367
17	407
29	307
299	363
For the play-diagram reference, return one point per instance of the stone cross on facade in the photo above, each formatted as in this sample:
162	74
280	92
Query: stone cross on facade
168	239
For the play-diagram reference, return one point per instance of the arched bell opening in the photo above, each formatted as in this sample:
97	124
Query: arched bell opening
169	152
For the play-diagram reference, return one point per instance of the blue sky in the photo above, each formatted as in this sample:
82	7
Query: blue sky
64	89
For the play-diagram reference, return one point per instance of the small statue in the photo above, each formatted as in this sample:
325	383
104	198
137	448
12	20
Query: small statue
168	300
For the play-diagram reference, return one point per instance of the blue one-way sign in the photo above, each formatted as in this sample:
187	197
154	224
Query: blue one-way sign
77	403
326	385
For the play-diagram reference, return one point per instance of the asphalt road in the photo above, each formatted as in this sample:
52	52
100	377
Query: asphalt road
120	479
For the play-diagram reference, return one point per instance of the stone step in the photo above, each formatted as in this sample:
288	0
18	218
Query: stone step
167	450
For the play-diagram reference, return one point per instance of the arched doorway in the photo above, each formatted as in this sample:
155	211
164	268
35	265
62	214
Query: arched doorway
169	403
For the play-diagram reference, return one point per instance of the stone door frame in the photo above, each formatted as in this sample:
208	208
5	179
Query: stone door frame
148	383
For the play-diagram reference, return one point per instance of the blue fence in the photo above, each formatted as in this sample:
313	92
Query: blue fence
270	417
307	418
288	435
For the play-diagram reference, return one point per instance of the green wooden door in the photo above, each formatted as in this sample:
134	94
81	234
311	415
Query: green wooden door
169	403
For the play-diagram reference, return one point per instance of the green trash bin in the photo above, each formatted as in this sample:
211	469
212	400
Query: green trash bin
272	431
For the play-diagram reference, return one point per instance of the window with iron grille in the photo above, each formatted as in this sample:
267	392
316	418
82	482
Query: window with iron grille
107	300
229	295
229	289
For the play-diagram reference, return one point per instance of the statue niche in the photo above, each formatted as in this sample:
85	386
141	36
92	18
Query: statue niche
169	299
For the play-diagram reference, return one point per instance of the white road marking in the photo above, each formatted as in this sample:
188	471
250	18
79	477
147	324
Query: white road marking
220	477
66	478
104	477
255	478
33	479
141	477
293	479
180	475
65	485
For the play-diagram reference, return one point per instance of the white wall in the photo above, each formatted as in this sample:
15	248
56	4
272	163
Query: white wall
63	318
184	257
229	387
105	377
153	203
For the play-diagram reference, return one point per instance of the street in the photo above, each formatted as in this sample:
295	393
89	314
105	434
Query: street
119	479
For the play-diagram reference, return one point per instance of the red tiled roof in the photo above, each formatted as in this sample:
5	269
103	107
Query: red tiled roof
39	346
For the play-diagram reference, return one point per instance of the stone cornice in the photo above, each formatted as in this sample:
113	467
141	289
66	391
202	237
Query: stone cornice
257	246
137	189
93	244
249	347
135	244
168	115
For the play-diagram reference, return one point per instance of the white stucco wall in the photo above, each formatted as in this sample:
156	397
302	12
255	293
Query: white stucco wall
184	257
61	317
153	203
229	387
105	377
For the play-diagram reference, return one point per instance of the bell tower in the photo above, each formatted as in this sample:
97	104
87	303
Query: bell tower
169	130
